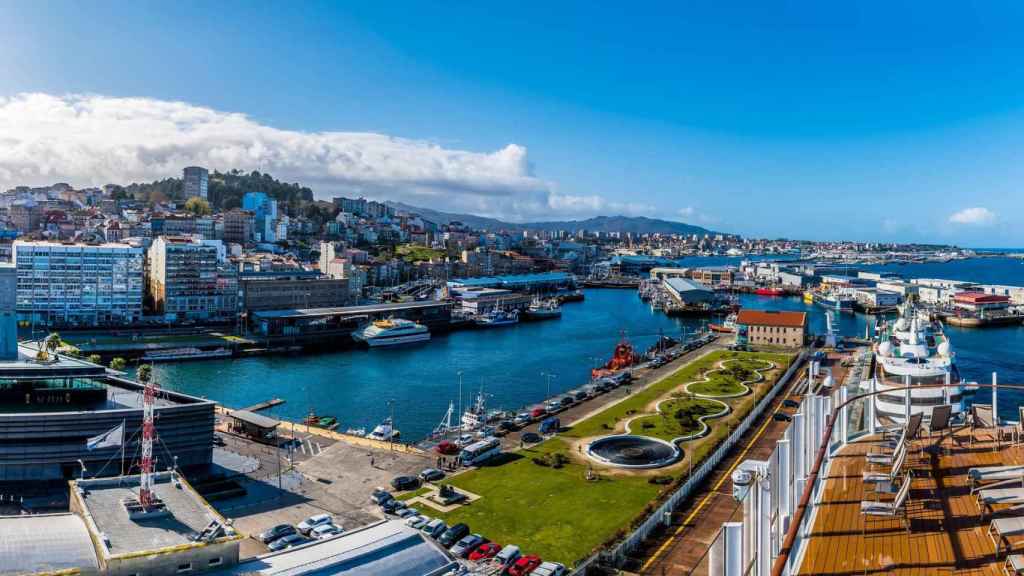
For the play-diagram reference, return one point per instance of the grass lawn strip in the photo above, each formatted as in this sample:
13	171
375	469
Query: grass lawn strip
665	426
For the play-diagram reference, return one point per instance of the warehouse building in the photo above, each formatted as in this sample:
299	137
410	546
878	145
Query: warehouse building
771	328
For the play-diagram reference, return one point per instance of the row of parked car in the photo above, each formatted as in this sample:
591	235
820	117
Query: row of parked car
484	554
285	536
670	355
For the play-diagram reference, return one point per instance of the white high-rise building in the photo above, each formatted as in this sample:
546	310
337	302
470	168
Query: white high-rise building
78	284
196	180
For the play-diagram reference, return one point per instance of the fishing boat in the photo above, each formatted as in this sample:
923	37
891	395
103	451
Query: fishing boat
727	327
623	357
176	354
769	291
543	309
476	415
326	422
498	317
392	332
384	431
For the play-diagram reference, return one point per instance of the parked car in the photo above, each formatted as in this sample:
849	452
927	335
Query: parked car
453	535
522	419
549	569
288	541
218	440
325	531
407	512
431	475
567	401
466	545
392	506
417	521
379	496
524	565
268	536
531	438
435	528
465	440
507	426
550	425
552	406
307	525
402	483
484	551
507	555
486	431
537	412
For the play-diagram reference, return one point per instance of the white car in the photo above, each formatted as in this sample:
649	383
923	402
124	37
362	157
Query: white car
325	531
549	569
308	524
416	521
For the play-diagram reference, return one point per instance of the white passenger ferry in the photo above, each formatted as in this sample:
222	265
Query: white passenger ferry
392	332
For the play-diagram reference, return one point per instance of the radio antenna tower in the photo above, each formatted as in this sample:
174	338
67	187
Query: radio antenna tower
148	435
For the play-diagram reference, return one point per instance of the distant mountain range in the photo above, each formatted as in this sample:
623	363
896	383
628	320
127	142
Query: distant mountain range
631	224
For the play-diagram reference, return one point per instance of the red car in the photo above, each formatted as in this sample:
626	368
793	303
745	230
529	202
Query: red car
524	565
538	412
485	551
447	448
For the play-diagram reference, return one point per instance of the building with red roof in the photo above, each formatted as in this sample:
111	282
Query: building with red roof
771	328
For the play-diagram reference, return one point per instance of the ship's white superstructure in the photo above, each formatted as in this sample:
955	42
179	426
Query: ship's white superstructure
913	351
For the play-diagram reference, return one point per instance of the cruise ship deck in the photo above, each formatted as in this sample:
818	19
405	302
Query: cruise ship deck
946	535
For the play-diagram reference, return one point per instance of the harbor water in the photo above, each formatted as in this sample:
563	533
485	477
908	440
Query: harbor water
512	364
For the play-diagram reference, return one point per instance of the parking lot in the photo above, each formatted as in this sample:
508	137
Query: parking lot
323	476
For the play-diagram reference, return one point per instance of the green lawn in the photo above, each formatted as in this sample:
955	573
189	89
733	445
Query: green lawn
678	417
555	513
414	253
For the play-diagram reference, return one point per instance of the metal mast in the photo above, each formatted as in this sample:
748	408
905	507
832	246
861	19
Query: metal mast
148	435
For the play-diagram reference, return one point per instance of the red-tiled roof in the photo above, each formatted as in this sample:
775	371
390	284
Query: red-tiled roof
980	298
772	318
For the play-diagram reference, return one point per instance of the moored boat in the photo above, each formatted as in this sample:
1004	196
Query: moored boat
727	327
176	354
498	317
543	309
769	291
385	431
392	332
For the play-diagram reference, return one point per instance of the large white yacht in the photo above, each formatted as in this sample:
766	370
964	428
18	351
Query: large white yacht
914	350
391	332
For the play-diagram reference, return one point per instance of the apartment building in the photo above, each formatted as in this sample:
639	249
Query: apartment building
189	280
76	285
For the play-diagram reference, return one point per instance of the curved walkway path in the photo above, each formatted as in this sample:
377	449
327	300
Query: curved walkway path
725	407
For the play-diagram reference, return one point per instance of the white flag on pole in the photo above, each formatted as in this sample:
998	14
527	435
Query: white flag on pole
112	437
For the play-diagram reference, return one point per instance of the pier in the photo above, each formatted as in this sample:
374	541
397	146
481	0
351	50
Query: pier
265	405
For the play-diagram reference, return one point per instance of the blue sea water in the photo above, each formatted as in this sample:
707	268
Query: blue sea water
361	387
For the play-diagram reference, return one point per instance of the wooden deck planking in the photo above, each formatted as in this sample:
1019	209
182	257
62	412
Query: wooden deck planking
946	536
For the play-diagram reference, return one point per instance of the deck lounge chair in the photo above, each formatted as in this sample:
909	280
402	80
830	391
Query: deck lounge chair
1002	529
887	477
940	419
982	418
988	474
883	459
990	497
897	508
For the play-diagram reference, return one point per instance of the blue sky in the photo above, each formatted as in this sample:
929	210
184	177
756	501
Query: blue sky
871	122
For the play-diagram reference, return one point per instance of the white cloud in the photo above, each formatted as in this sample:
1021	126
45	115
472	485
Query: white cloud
977	216
93	140
687	212
691	215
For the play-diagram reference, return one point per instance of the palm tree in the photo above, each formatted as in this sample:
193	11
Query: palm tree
145	373
118	364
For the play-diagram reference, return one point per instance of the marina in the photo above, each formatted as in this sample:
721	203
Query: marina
356	386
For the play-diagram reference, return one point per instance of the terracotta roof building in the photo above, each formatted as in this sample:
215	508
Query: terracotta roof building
771	328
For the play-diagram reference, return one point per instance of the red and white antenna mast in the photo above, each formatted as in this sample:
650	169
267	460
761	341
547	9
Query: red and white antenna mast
148	435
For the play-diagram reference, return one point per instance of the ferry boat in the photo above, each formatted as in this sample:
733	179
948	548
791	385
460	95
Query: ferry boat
384	431
914	349
498	317
543	309
175	354
391	332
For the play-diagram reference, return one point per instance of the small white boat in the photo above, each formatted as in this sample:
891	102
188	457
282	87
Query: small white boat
392	332
543	309
361	432
384	431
